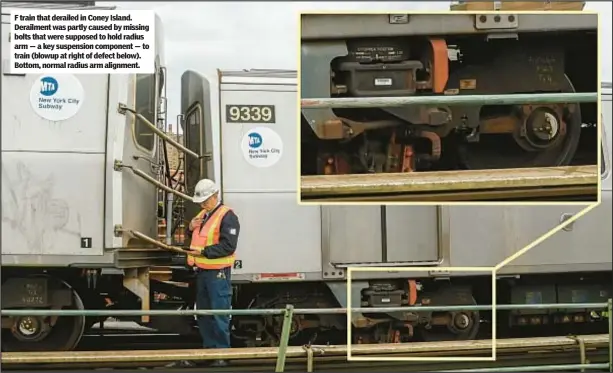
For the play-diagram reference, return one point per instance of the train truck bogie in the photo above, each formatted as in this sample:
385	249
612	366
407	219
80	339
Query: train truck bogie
340	59
41	333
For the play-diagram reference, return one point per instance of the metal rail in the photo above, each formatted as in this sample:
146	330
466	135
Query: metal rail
150	240
449	100
298	311
452	185
122	109
282	351
118	165
514	345
558	356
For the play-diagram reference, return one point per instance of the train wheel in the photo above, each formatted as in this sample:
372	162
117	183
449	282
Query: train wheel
43	333
458	325
529	146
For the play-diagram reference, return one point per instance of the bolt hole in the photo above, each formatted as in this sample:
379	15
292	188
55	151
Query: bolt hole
482	19
497	19
511	18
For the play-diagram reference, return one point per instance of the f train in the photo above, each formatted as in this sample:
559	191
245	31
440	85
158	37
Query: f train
78	209
377	56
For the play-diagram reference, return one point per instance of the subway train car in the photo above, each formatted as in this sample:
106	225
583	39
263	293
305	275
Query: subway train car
79	217
64	192
291	245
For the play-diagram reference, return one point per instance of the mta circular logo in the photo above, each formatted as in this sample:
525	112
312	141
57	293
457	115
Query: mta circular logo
255	140
48	86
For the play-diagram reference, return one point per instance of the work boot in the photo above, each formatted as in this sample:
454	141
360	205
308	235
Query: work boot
219	363
181	364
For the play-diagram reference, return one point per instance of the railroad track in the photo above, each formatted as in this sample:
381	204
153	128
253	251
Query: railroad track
129	336
510	352
578	183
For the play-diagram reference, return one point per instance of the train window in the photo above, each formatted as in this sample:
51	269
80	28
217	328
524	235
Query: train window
192	130
193	118
145	105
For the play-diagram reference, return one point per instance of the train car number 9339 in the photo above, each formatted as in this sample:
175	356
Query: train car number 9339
250	114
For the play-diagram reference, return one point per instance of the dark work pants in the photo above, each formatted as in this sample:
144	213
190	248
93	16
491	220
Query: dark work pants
214	292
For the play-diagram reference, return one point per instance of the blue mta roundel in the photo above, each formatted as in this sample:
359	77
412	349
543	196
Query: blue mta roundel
48	86
255	140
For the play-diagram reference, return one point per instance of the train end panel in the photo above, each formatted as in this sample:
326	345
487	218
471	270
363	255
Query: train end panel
61	137
73	156
198	131
53	164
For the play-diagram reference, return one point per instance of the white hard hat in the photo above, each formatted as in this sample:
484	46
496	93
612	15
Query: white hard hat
204	190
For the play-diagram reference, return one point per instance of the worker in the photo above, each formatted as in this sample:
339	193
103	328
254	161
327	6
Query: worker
214	233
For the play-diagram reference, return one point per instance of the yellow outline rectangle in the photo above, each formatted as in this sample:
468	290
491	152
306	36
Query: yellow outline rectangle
599	124
349	272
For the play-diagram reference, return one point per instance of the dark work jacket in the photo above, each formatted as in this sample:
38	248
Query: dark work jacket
228	236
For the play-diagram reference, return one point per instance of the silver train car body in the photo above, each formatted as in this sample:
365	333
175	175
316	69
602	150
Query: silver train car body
291	243
331	238
284	245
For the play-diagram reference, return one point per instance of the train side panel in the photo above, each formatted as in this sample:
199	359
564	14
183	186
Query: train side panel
259	178
377	236
456	236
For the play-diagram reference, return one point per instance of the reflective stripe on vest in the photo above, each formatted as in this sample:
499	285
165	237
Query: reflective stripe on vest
207	236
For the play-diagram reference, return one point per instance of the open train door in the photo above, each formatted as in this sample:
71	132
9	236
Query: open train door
197	131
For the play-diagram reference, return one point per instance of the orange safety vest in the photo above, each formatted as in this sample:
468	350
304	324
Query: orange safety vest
207	236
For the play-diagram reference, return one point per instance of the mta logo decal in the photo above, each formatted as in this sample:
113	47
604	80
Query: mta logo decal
48	86
255	140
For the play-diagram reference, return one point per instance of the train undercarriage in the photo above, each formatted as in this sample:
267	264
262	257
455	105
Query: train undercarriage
450	137
87	289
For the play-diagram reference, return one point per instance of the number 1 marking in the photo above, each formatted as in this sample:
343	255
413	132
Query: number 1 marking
86	242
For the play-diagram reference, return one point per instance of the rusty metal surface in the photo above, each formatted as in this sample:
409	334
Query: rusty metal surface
448	181
420	348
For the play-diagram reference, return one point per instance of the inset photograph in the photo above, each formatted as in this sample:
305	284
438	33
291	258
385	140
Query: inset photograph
444	107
